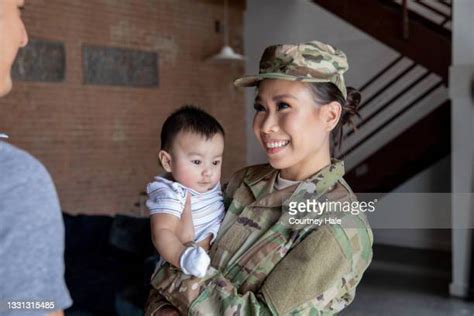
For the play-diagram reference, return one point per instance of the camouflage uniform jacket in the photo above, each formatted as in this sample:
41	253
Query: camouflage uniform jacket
263	265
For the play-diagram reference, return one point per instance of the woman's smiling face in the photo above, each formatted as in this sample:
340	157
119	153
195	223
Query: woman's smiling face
292	129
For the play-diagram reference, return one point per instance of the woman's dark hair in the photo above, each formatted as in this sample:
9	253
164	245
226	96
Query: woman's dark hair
188	118
327	92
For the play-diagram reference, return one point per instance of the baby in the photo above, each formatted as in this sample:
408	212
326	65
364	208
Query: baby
192	144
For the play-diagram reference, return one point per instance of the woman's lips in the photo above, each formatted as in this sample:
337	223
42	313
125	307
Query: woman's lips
275	146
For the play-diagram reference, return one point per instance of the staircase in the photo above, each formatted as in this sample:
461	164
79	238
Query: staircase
406	102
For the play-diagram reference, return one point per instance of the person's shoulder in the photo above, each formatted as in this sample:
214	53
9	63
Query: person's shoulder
19	165
165	188
354	227
10	153
27	189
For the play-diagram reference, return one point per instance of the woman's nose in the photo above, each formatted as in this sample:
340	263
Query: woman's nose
270	124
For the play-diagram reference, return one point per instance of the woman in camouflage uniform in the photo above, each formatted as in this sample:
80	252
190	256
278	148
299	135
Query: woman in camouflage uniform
272	255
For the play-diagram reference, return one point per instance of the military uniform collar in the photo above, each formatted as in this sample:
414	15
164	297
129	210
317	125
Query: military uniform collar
326	177
261	180
321	181
258	173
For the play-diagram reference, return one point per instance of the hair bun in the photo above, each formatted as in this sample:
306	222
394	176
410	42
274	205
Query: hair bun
351	106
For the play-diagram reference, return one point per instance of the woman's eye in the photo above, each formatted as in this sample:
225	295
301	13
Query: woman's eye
258	107
283	105
216	163
196	162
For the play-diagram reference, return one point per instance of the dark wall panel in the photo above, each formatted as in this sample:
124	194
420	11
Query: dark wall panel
40	61
119	67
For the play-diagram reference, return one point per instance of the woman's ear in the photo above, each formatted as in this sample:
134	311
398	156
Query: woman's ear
331	114
165	160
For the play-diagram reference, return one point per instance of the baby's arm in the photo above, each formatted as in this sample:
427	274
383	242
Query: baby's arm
206	243
173	238
164	231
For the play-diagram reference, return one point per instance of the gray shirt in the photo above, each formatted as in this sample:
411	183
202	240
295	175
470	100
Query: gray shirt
31	237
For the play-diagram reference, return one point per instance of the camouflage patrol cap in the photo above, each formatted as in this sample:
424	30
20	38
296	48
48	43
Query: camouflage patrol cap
307	62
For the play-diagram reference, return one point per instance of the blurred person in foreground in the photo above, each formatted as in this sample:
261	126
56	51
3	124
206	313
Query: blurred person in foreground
31	226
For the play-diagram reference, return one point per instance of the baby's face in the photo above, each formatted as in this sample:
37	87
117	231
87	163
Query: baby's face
196	161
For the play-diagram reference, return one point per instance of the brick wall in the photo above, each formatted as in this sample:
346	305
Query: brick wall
100	142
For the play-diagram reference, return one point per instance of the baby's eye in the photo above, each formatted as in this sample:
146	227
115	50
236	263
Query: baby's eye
258	107
216	163
282	105
196	162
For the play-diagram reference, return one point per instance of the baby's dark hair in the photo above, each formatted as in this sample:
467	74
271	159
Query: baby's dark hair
327	92
188	118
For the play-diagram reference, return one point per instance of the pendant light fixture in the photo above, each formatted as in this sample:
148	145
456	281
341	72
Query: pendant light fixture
226	53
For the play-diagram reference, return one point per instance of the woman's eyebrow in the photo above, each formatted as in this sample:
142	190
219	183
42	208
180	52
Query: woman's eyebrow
277	97
284	96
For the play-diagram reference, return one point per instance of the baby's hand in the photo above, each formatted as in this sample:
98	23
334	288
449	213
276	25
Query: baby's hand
194	261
